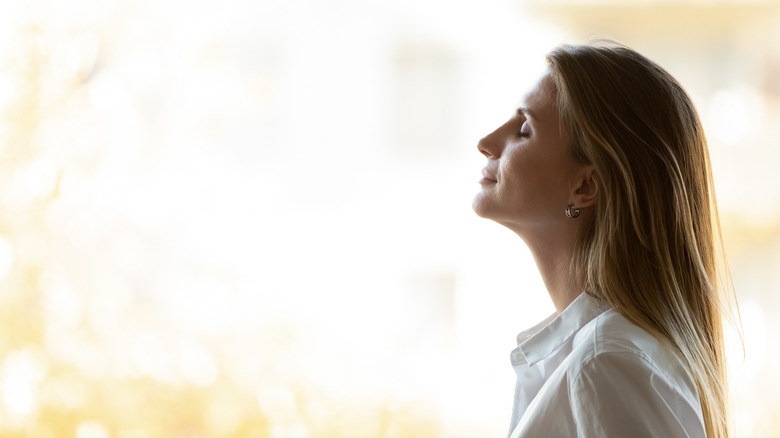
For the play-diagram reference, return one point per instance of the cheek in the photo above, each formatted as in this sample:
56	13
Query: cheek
518	174
532	180
513	168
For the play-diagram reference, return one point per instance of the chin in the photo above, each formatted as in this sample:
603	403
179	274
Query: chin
479	207
484	210
488	211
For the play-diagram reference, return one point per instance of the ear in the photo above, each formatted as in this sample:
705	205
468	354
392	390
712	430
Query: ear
585	187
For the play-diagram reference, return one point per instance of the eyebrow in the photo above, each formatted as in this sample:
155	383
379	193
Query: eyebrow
523	111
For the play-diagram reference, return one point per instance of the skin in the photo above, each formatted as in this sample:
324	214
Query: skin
529	180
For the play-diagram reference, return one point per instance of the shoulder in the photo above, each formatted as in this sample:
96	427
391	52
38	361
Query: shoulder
622	380
611	340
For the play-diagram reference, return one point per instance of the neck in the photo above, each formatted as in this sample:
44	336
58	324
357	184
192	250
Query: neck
553	258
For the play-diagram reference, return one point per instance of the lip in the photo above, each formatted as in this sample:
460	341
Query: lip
487	178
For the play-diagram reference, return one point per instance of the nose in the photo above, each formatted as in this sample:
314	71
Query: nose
488	146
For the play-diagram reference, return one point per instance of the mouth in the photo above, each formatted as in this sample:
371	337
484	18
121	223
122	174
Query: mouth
487	178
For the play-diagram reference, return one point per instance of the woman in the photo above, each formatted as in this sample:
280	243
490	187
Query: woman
604	173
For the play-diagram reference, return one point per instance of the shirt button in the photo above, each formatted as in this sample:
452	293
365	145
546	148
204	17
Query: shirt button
529	375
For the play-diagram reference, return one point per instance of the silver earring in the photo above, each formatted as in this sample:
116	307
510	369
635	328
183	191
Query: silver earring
570	214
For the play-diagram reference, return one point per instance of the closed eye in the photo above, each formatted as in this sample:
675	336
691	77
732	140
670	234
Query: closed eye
524	131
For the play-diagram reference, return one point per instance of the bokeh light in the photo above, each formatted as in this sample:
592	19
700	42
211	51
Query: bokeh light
252	218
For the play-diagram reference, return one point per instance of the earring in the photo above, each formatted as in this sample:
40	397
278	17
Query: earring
570	214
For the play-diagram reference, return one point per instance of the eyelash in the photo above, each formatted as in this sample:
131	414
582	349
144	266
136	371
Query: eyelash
522	134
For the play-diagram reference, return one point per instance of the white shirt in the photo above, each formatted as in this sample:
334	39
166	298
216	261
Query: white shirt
589	372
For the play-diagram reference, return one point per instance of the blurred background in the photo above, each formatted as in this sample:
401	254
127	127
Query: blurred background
252	218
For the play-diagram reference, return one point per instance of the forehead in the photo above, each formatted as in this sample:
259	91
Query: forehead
540	99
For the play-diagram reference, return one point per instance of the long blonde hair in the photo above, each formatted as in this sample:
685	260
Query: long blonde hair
649	247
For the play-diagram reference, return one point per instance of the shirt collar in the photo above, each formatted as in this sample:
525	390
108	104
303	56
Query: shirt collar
544	338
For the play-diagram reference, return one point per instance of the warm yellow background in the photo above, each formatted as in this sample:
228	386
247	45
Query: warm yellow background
246	218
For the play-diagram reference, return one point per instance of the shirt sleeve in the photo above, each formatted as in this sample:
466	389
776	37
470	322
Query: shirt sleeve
620	394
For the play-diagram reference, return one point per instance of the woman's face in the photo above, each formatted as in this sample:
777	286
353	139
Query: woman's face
528	178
